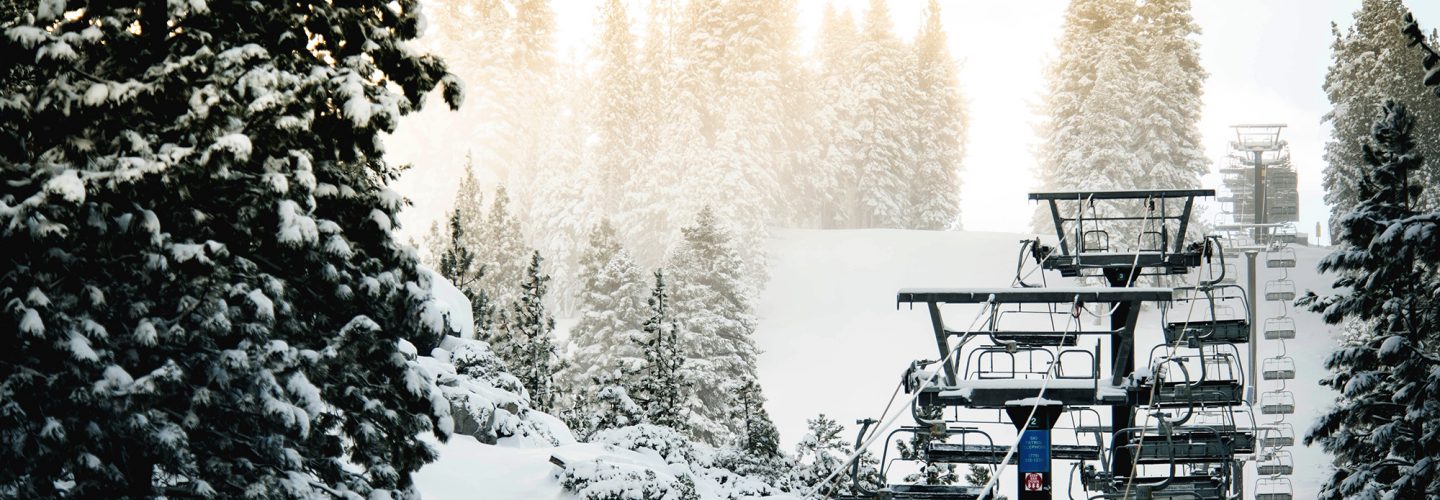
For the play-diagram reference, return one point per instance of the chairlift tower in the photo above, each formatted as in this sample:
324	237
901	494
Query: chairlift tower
1260	161
1190	390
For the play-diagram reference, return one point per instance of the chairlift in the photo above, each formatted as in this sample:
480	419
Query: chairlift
1201	319
1278	402
1278	463
1274	488
1211	377
1095	240
1278	434
1278	368
1281	289
1279	328
1280	258
1152	241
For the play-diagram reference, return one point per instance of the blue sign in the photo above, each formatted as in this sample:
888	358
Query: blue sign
1035	451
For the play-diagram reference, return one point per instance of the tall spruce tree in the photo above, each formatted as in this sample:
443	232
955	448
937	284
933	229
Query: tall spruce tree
529	345
502	250
458	265
756	450
939	125
1384	430
1086	133
663	385
882	91
617	105
612	313
836	179
712	301
1169	98
207	294
1370	64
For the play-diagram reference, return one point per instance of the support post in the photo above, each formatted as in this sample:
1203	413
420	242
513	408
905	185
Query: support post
1259	204
942	341
1254	339
1122	353
1032	449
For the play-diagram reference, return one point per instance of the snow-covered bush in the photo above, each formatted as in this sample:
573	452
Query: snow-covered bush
603	480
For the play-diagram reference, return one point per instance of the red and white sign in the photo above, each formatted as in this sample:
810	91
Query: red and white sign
1034	481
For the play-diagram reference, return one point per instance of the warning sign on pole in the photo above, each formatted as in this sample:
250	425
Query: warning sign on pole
1034	481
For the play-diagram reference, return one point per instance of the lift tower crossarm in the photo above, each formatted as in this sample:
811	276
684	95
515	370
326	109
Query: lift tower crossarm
1033	295
1072	227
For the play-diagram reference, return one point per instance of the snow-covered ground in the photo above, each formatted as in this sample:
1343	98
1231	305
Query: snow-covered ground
834	341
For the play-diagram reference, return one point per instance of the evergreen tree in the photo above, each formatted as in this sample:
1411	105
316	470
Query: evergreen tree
1370	64
882	92
208	295
1169	102
836	178
617	105
914	449
457	264
476	37
663	385
612	312
756	450
939	127
712	301
528	346
1086	133
502	250
1384	430
609	406
819	453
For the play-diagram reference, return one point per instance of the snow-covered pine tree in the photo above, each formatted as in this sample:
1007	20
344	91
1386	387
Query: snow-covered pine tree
617	105
1384	430
1370	64
663	385
469	206
560	205
756	450
612	313
913	449
1169	98
837	121
608	406
535	101
457	264
819	453
1170	95
528	343
476	37
883	90
939	126
502	250
207	294
1083	144
712	301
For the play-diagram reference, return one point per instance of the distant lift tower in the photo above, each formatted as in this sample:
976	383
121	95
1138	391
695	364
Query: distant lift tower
1261	181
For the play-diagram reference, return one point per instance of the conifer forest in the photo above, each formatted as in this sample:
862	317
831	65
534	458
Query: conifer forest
720	249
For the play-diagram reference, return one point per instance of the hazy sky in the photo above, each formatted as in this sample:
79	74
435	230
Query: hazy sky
1266	59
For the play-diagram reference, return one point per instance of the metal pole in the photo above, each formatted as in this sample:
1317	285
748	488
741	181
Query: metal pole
1250	388
1259	203
1254	339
